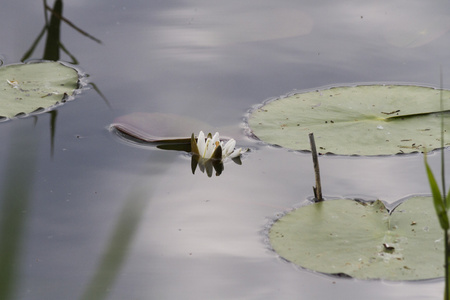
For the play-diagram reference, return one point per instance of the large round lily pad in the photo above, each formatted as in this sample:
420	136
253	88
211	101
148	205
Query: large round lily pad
27	88
363	240
355	120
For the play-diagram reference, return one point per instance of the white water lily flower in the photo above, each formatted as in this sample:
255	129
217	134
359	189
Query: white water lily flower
206	148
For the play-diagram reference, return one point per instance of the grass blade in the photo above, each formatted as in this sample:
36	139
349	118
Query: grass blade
438	201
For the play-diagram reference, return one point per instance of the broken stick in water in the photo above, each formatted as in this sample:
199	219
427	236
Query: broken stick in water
318	188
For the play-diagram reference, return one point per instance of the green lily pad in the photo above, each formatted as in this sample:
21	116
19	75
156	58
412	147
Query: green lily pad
363	240
355	120
27	88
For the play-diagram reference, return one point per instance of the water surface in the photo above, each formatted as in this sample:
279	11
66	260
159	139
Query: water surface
105	219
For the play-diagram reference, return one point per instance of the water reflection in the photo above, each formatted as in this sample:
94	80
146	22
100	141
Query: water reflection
209	165
220	24
403	24
119	244
188	214
17	188
53	44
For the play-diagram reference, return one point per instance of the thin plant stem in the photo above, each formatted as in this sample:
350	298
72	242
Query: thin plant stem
446	265
446	237
442	141
318	188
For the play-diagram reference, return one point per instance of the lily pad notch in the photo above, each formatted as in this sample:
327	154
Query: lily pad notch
366	120
37	87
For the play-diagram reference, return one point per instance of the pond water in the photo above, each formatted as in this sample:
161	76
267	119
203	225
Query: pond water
88	216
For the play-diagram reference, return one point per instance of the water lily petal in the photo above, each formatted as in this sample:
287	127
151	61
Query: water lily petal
217	154
236	153
215	138
204	153
209	148
201	145
194	148
229	147
212	146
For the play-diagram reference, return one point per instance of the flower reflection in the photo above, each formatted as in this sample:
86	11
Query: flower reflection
209	153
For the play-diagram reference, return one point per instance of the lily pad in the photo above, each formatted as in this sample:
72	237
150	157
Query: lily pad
355	120
363	240
32	87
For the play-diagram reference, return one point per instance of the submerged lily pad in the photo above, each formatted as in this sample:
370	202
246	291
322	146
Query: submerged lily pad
363	240
355	120
158	127
27	88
